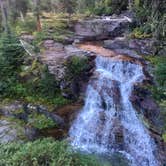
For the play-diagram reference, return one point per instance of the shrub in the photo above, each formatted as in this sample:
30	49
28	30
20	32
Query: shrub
28	25
76	65
160	71
41	153
40	121
141	32
11	58
11	55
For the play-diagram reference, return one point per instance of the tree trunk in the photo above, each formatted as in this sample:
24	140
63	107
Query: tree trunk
39	27
37	11
4	12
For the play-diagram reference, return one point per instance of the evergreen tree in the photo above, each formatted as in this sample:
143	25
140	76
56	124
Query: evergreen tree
11	58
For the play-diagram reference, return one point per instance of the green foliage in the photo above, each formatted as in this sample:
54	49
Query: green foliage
76	65
152	15
24	77
41	153
40	121
141	32
26	26
11	58
160	71
159	64
103	7
55	26
164	137
11	55
159	90
57	100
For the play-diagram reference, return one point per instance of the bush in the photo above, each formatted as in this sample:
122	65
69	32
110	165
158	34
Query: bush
40	121
28	26
11	58
45	152
11	55
160	71
76	65
141	32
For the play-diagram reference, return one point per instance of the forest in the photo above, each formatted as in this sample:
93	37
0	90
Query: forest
83	82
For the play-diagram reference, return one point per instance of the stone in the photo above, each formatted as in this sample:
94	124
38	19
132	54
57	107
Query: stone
117	43
7	132
28	38
142	46
10	109
11	131
101	28
142	100
128	52
132	47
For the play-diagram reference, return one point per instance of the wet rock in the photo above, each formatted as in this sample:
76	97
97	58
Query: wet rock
74	85
119	134
142	101
69	112
113	90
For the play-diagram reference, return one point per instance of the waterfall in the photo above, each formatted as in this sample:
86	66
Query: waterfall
108	122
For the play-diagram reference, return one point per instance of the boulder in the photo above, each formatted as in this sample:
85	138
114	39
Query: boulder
132	47
11	131
101	28
11	109
28	38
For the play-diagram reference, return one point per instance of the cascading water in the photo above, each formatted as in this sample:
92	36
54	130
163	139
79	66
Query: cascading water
109	113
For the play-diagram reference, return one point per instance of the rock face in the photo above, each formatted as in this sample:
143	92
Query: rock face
56	55
143	102
134	47
103	28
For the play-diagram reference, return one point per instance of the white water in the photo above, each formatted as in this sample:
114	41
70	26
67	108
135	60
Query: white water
108	111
